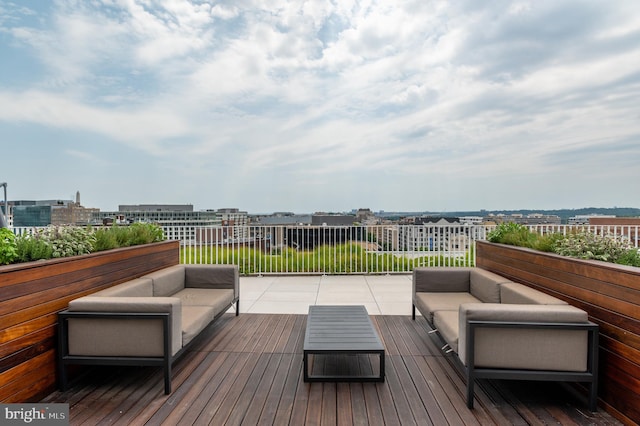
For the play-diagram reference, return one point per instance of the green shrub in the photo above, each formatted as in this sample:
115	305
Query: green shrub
145	233
580	245
124	236
8	249
547	242
585	245
105	239
513	234
64	241
32	247
68	241
631	258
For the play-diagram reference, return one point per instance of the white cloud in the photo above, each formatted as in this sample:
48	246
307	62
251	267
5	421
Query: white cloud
329	92
140	129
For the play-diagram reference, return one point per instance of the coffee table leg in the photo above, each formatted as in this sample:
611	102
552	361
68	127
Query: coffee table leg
305	362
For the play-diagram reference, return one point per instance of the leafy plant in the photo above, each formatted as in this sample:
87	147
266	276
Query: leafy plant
630	257
64	241
513	234
32	247
547	242
8	250
145	233
106	239
125	236
68	240
580	245
584	245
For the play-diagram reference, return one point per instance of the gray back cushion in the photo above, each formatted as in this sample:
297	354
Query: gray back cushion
140	287
441	279
521	294
485	285
209	276
168	281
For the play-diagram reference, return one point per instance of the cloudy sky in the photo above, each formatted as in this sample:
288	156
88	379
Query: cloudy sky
322	105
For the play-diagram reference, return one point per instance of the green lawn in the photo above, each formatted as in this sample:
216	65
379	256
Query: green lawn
340	259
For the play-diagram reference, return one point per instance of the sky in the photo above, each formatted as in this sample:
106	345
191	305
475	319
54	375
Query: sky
310	106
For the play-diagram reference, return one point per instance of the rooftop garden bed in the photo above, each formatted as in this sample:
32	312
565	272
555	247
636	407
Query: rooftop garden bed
579	245
64	241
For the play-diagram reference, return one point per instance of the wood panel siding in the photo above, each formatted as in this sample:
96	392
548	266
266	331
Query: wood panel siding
31	295
609	293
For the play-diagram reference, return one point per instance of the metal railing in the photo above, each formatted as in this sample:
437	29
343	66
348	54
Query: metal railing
329	249
376	249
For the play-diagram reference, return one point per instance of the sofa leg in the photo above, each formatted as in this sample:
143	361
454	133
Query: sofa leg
413	312
238	307
593	397
469	393
167	378
62	377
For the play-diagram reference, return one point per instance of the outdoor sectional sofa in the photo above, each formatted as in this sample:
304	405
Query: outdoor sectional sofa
149	320
505	330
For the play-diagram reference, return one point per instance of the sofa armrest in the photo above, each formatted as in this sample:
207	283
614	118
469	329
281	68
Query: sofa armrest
528	342
530	337
95	330
213	276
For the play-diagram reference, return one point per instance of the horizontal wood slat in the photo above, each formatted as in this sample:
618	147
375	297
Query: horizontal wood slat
31	295
609	293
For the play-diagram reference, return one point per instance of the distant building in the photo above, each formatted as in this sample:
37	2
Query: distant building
36	213
366	217
72	213
332	220
25	215
435	234
232	226
472	220
530	219
585	219
282	218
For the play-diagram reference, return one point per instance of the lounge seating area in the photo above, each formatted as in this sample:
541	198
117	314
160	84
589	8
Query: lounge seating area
248	369
150	320
504	330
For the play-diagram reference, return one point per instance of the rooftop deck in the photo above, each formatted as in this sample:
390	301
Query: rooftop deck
248	370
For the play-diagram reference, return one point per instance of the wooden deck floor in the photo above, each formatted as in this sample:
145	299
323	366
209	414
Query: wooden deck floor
248	370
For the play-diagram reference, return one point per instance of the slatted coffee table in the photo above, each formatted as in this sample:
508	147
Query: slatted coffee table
341	330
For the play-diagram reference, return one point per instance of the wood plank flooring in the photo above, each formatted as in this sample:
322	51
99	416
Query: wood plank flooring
247	370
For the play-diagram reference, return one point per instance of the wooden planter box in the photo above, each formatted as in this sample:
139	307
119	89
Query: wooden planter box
31	295
609	293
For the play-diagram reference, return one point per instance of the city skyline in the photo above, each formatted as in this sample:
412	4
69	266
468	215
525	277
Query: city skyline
615	211
418	106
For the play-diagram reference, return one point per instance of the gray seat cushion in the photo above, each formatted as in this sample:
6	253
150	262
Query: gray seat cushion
194	320
428	303
215	298
446	322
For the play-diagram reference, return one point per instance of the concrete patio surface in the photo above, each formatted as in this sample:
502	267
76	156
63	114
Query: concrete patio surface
292	294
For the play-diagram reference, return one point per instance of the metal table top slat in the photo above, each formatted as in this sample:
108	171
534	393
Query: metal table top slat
341	328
